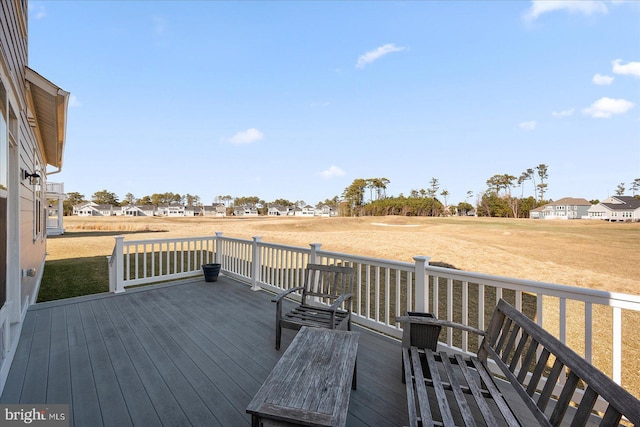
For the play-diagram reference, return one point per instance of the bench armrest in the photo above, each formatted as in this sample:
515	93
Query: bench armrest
281	295
340	300
438	322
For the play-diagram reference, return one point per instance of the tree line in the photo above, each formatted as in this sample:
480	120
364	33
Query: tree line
368	196
105	197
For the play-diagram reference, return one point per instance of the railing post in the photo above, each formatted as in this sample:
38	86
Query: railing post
313	256
255	268
216	243
118	262
421	296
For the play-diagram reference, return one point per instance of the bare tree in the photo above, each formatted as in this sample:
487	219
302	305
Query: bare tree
543	174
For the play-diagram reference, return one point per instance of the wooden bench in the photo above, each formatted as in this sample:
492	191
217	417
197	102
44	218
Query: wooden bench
311	383
531	363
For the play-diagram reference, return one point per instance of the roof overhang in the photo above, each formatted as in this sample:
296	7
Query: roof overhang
47	114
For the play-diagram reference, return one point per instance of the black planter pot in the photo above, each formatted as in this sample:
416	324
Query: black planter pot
211	272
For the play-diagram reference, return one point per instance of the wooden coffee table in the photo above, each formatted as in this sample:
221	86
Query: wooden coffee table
311	383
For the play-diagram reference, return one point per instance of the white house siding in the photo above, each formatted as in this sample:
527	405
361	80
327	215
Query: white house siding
28	142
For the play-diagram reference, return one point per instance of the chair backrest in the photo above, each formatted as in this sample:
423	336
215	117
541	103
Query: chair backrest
325	283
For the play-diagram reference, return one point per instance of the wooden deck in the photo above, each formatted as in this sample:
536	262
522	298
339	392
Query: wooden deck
193	353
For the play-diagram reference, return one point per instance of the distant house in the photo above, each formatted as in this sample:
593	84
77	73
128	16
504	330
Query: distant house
131	210
138	210
85	209
278	210
147	210
193	211
217	209
105	210
94	209
616	208
245	211
326	211
171	210
565	208
308	211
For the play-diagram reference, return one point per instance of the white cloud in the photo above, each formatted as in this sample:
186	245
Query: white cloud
247	136
331	172
528	126
563	113
586	7
73	101
605	107
629	69
374	55
601	80
37	11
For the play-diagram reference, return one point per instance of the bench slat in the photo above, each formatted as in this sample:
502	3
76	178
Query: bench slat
584	410
423	396
528	358
504	334
441	397
516	356
537	373
611	417
565	399
475	391
411	400
502	404
465	410
552	379
513	336
540	416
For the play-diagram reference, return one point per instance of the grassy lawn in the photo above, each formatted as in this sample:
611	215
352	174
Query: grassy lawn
73	277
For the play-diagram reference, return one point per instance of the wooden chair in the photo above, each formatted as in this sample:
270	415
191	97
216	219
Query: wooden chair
326	300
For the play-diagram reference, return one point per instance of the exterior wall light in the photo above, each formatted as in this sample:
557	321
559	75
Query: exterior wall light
34	177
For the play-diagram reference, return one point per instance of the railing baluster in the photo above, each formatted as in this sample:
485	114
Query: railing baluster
617	345
465	314
588	331
481	304
450	310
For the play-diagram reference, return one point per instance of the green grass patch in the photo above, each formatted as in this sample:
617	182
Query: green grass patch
74	277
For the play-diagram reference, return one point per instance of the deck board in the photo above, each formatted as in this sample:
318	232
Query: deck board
192	353
85	407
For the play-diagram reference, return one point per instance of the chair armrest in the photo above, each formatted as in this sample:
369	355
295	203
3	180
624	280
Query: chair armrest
340	300
285	293
438	322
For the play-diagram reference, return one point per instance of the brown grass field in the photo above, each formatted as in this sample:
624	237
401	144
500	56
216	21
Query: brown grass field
589	254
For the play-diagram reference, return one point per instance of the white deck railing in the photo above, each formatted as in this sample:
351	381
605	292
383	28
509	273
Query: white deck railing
386	289
55	187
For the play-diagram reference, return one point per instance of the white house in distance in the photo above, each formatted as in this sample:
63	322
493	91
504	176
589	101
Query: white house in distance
33	115
565	208
616	208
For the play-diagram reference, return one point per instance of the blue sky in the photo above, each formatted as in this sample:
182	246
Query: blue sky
296	99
